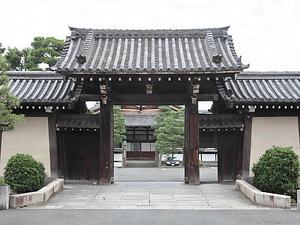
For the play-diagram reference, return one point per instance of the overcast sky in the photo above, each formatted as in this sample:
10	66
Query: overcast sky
266	33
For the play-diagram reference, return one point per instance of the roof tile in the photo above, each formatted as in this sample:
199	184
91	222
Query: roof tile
43	88
149	51
262	87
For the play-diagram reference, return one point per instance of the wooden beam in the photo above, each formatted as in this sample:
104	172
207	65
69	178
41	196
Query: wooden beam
151	98
90	97
208	97
131	99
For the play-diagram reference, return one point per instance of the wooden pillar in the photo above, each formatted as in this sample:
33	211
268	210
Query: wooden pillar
246	145
191	144
106	163
53	145
0	143
298	133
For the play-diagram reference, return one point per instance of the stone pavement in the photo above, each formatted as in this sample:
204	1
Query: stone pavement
149	195
151	188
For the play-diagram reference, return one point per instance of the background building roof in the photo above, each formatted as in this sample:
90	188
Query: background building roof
262	87
138	120
149	51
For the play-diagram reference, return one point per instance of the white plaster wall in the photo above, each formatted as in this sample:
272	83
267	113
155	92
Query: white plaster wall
269	131
29	137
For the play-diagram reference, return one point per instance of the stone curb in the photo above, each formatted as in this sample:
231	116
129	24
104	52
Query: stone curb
263	198
4	197
40	196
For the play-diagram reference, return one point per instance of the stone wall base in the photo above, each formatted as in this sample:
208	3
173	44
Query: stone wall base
40	196
263	198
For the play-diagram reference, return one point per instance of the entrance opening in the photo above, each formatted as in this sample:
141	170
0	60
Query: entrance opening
140	156
208	154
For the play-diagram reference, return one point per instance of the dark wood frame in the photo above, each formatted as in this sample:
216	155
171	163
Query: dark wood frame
106	162
247	145
191	151
53	145
299	128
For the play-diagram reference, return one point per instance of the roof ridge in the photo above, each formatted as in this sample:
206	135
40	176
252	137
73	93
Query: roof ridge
269	75
148	30
33	74
148	33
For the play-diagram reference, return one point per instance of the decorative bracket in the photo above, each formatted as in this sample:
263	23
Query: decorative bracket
104	92
104	99
149	88
195	92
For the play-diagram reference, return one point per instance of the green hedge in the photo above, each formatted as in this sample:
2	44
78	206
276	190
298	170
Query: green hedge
24	174
277	171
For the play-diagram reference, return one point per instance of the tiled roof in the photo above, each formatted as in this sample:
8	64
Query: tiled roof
213	122
136	120
149	51
93	121
262	87
43	88
78	121
206	122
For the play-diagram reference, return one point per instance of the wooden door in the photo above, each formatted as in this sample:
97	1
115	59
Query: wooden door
229	155
78	155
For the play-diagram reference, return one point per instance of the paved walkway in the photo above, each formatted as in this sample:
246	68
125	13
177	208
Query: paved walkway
149	195
151	188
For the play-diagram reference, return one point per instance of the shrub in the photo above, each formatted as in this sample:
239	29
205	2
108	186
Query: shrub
1	182
24	174
277	171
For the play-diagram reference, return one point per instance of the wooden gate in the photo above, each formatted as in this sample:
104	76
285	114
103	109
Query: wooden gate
225	134
78	155
229	155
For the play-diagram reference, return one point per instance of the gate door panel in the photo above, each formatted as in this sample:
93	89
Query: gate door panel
78	153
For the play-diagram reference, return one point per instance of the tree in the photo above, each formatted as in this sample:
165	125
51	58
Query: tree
119	125
4	65
7	102
45	50
2	50
14	56
169	130
20	60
